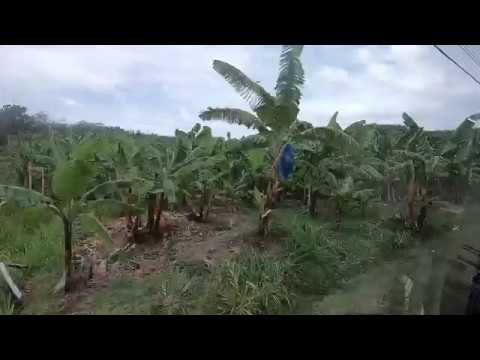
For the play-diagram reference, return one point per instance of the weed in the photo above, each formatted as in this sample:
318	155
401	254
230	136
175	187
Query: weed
324	259
41	299
249	285
7	307
168	293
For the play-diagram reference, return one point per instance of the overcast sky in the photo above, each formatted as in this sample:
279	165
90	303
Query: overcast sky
160	88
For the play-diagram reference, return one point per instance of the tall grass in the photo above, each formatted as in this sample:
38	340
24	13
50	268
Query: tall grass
7	306
31	237
323	259
250	285
168	293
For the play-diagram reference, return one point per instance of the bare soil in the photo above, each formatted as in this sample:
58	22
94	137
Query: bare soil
225	235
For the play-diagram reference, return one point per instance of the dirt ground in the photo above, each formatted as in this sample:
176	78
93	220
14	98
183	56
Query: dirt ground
440	284
195	244
437	282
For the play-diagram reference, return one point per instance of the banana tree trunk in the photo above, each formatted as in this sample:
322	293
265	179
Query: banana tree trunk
206	203
67	228
265	219
412	192
338	220
151	212
265	223
208	206
305	196
312	209
421	217
158	215
276	191
389	196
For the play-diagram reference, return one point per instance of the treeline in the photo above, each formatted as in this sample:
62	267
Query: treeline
16	122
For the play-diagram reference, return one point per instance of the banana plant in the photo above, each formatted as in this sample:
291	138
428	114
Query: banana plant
462	152
328	152
78	195
203	169
343	193
72	200
273	115
422	167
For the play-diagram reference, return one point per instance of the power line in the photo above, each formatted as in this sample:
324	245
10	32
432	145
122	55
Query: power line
456	63
475	49
470	54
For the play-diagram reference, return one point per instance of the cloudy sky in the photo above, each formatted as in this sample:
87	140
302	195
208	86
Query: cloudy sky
157	89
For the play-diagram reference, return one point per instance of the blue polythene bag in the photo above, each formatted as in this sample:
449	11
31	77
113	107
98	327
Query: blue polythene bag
285	162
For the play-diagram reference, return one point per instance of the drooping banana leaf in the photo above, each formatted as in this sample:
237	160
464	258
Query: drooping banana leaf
22	197
71	179
205	140
369	172
256	140
107	188
256	158
169	189
409	122
88	148
91	223
259	198
113	208
346	186
333	124
289	83
364	194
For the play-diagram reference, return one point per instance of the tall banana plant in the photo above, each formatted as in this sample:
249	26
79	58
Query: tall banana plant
273	115
72	200
416	157
330	155
76	193
462	152
202	170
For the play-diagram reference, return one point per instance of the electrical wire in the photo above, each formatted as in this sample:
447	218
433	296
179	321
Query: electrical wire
456	63
473	56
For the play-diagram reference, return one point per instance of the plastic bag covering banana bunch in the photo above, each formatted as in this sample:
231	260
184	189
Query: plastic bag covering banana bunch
286	162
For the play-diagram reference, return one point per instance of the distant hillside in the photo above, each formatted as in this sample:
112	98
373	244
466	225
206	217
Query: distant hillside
15	120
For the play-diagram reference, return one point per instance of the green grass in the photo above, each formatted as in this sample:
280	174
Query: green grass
250	285
169	293
32	238
42	300
7	306
324	259
316	259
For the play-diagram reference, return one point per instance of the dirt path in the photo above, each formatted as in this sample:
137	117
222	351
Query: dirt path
195	244
433	271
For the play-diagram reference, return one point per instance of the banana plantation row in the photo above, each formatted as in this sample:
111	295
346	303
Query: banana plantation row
86	178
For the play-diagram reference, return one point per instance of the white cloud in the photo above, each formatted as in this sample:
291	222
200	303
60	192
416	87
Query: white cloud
69	101
161	88
333	74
